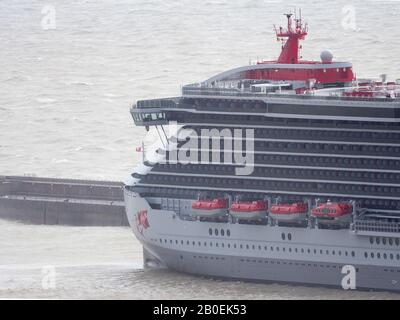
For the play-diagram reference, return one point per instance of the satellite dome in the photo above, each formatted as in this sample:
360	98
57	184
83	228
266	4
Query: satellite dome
326	56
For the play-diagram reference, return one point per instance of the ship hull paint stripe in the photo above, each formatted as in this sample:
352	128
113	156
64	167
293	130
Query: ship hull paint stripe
271	100
273	179
298	167
239	126
341	155
313	141
347	195
289	115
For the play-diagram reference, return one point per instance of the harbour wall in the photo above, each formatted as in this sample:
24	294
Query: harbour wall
69	202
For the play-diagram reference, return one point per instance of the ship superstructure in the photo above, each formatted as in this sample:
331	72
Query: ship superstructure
302	184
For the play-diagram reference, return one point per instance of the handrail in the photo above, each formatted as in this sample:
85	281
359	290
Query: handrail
208	91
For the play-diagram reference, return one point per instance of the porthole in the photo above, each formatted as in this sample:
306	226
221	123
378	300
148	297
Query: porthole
283	236
378	240
222	232
216	232
228	233
372	255
371	240
210	232
289	236
365	255
391	241
384	240
353	254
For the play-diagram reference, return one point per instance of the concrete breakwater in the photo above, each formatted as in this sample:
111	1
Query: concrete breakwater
62	201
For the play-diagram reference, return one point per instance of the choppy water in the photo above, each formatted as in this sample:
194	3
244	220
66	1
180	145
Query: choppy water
64	112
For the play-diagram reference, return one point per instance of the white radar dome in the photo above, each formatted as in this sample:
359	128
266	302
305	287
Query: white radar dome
326	56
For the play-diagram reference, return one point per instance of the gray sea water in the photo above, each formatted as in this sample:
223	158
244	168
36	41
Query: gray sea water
69	71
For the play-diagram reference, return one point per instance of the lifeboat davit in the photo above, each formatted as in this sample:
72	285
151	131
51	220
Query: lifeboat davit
210	208
333	212
255	210
295	212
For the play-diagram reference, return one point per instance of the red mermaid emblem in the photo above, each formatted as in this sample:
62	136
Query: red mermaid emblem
141	221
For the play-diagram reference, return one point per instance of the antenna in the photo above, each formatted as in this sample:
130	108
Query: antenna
290	51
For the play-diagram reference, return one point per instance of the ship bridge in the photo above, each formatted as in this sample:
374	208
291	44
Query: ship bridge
152	112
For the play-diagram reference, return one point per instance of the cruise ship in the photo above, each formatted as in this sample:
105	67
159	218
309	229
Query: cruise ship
283	171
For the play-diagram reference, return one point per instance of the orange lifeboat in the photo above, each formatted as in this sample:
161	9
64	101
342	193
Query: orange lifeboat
333	212
295	212
210	208
254	210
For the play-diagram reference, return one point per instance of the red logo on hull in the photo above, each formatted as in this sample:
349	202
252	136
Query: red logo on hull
141	221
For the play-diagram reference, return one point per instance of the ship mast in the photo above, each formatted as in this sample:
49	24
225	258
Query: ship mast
290	50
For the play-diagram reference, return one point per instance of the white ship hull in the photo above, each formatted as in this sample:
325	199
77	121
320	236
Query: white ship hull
262	252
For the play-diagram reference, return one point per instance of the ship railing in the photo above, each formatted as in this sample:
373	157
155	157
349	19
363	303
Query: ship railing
376	226
155	103
197	90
